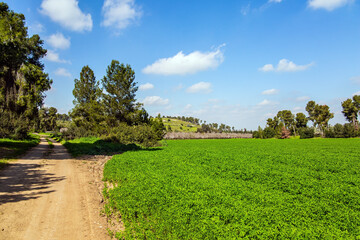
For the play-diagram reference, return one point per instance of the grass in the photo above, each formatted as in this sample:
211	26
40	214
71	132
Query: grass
179	125
238	189
96	146
51	145
11	149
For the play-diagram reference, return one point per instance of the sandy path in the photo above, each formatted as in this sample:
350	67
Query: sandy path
50	197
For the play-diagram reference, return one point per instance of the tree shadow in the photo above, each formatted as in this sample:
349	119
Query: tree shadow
22	182
101	147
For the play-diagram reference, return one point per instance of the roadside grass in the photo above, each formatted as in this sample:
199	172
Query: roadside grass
96	146
11	149
51	145
238	189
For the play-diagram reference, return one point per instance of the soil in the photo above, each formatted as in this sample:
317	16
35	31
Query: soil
49	195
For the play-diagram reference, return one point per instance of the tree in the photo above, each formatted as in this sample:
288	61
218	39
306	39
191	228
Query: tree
119	99
300	120
351	110
48	117
287	118
88	111
22	79
319	115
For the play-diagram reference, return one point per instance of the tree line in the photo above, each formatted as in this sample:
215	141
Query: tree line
23	81
285	124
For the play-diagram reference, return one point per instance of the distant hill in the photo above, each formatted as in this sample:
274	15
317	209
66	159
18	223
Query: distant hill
177	125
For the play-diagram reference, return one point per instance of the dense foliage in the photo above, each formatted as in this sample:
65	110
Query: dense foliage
233	189
22	79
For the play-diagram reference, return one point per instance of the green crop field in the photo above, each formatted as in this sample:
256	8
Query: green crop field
238	188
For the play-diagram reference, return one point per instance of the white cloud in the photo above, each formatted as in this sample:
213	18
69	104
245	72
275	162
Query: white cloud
355	79
357	93
285	65
266	102
54	57
275	1
120	13
58	41
328	4
36	28
201	87
155	101
63	72
146	86
182	64
68	14
270	92
302	98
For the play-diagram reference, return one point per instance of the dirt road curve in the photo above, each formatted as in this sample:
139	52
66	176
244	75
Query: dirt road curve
50	197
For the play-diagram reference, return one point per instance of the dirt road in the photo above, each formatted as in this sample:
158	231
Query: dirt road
50	196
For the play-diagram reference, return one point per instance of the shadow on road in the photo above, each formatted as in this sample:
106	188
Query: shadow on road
25	181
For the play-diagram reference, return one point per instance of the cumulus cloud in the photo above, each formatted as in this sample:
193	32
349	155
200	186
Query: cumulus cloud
63	72
285	65
302	98
270	92
58	41
201	87
68	14
120	13
182	64
146	86
328	4
54	57
155	101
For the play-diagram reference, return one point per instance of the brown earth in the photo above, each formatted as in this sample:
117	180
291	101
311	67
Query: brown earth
48	195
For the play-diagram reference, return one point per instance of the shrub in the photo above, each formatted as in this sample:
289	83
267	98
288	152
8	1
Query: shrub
306	133
338	130
143	135
349	131
269	132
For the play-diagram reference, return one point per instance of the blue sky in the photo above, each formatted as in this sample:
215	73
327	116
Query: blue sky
232	62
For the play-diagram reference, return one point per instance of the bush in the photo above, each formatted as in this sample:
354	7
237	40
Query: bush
269	132
143	135
13	125
306	133
349	131
338	130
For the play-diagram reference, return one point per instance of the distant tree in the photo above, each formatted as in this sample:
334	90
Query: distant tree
48	117
287	118
319	115
351	110
119	98
300	120
88	111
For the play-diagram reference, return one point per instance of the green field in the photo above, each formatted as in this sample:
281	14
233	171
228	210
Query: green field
179	125
10	149
238	188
